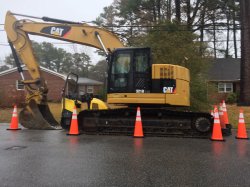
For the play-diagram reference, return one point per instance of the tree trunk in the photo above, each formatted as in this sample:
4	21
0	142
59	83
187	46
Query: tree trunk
158	10
178	11
169	10
154	12
188	13
202	30
245	53
234	33
228	32
214	37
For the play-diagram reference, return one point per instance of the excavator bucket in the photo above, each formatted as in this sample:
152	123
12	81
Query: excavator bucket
39	117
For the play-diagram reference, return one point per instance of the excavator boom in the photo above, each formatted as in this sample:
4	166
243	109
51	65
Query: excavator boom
36	113
18	31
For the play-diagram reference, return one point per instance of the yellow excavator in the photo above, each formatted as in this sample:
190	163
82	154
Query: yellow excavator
160	90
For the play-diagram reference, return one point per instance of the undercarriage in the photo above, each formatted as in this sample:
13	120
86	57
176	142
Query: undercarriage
156	122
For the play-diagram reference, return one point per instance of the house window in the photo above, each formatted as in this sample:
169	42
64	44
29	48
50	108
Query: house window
90	89
82	89
225	87
19	85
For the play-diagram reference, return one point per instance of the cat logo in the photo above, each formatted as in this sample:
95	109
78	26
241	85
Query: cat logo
168	89
56	31
60	31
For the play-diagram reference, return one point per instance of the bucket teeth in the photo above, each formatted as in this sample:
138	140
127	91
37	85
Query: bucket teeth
34	116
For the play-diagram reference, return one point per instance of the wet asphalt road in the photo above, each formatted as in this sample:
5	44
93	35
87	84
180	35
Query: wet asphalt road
50	158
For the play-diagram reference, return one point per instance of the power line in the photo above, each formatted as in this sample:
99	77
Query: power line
164	26
195	27
180	30
64	43
56	43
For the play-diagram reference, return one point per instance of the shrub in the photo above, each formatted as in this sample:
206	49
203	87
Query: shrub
232	98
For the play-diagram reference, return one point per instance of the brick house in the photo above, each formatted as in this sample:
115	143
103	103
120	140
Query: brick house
224	75
13	92
87	85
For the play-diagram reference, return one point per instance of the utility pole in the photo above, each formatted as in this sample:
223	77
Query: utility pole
245	53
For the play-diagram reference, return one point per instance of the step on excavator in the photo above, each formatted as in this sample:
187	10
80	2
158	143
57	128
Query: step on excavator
160	90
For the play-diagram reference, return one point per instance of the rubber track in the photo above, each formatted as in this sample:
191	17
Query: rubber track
156	122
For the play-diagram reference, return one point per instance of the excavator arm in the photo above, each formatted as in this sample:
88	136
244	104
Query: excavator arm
36	110
18	31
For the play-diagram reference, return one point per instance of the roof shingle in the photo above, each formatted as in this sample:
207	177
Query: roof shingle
225	69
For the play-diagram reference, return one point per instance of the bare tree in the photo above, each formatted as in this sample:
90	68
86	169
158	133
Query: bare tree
245	53
178	10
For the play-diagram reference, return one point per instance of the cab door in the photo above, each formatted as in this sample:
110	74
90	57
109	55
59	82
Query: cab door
120	72
142	71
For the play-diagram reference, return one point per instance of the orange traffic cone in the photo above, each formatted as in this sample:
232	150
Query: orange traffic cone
14	120
138	131
242	132
217	133
226	121
73	131
221	115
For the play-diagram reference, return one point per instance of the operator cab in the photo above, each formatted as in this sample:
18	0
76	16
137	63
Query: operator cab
130	71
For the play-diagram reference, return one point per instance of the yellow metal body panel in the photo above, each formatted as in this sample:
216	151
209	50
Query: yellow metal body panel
82	34
22	44
69	105
98	104
94	104
170	71
148	98
181	96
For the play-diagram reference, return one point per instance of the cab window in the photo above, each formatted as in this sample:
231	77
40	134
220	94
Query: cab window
141	62
121	63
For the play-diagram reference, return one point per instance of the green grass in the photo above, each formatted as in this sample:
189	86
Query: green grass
233	115
55	108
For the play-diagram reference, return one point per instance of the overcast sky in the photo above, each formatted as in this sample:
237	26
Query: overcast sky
74	10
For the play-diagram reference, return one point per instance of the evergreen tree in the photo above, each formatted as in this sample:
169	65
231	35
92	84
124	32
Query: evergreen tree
171	47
